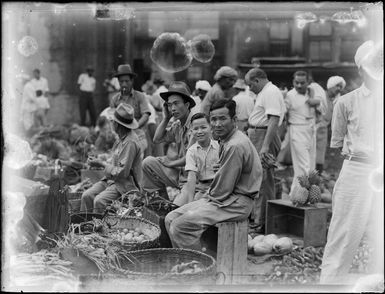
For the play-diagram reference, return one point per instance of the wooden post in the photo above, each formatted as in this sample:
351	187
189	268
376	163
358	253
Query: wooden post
232	250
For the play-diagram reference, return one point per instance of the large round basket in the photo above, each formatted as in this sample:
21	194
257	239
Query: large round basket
131	223
154	266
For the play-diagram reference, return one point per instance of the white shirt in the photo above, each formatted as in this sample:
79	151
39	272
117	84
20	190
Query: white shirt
299	112
268	102
40	84
152	117
353	123
245	105
115	85
197	107
87	83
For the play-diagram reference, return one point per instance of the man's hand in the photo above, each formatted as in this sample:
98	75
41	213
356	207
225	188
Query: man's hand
166	112
166	162
216	167
310	92
267	160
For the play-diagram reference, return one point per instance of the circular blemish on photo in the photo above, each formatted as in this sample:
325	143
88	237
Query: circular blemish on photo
171	53
202	48
27	46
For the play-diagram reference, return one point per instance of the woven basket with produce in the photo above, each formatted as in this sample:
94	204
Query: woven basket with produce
171	266
131	233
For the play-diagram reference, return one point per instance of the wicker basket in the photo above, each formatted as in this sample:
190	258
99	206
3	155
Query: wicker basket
131	222
154	266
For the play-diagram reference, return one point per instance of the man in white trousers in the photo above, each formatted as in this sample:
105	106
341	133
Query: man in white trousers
357	209
301	106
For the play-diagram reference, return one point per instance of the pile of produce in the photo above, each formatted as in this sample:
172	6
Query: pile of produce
188	267
124	209
308	190
301	265
81	187
37	267
269	244
326	186
130	236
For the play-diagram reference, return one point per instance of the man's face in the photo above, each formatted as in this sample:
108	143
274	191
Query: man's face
200	129
300	83
201	93
178	107
253	84
368	80
36	74
334	91
227	82
126	82
221	122
90	72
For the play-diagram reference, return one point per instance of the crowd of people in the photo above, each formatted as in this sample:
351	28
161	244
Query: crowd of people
219	146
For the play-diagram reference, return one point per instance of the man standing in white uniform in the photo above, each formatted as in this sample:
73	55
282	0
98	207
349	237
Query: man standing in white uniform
357	127
40	84
87	85
264	120
301	106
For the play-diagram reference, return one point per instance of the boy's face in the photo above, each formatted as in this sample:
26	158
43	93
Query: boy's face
201	130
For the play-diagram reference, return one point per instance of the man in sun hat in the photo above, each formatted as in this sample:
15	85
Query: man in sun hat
357	211
225	78
135	98
87	85
162	172
124	174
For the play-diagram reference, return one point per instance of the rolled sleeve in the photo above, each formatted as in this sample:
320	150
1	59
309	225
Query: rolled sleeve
191	164
339	125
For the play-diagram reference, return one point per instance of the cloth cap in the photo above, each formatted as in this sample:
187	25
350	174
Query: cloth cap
362	52
335	80
225	71
203	85
240	84
124	115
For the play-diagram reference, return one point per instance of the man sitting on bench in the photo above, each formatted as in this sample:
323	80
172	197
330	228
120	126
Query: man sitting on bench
235	184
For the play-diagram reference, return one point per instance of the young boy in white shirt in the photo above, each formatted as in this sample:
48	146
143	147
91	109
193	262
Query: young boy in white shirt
201	157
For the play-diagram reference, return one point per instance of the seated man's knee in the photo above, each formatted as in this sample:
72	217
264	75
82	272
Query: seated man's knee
148	161
170	217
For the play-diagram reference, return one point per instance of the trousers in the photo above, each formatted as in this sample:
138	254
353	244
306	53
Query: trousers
267	190
322	141
86	102
98	197
303	149
185	225
357	211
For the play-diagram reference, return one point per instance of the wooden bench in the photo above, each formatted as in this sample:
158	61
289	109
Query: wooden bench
308	222
231	251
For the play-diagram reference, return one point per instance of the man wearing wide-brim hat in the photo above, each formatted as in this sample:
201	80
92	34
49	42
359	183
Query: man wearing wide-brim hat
162	172
124	174
135	98
225	78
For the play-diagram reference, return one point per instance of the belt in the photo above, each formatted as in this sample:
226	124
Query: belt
255	127
205	181
358	159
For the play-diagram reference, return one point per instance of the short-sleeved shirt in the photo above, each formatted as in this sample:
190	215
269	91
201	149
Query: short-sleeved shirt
353	124
115	86
87	83
40	84
245	105
202	161
268	102
299	112
136	99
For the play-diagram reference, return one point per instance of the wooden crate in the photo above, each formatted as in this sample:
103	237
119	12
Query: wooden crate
308	222
93	174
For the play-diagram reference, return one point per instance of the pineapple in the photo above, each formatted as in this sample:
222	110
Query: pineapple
314	194
304	181
299	195
314	178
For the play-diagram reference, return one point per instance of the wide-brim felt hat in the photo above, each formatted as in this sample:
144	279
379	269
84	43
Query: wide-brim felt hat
125	69
181	89
124	115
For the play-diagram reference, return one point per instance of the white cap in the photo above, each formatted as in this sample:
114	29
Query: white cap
203	85
335	80
225	71
362	52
